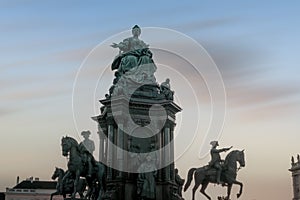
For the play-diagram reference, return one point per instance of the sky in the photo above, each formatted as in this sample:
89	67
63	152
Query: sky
255	46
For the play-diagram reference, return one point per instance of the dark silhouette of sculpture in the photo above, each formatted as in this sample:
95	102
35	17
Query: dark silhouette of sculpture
135	69
135	157
165	89
67	187
77	167
87	147
179	181
205	175
146	185
88	143
216	158
134	54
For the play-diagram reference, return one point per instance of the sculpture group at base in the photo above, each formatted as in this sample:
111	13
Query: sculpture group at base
69	182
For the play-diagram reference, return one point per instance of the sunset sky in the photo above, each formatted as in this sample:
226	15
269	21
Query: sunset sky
254	44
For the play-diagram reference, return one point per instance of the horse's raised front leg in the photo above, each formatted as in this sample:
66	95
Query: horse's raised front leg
241	188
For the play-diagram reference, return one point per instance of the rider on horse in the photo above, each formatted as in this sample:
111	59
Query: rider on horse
216	158
86	148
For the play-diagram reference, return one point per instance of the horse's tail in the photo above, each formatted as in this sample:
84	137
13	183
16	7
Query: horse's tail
189	178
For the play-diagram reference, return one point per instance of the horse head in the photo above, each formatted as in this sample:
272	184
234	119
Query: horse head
57	172
67	143
241	158
235	156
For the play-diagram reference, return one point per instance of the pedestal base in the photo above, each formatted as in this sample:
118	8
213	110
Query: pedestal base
128	191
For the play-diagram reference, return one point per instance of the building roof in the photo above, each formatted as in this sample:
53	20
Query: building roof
36	185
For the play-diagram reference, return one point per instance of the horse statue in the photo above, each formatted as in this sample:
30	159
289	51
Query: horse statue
78	167
205	175
67	185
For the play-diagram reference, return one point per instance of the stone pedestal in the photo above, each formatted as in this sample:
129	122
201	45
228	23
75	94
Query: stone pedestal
117	115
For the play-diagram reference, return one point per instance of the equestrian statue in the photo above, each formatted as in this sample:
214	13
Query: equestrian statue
217	171
82	164
67	187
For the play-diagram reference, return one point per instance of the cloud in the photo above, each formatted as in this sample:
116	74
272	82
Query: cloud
71	55
245	68
6	111
33	94
235	60
201	25
262	94
28	98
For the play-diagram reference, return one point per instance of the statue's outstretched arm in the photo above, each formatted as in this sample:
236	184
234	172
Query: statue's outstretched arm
226	149
123	46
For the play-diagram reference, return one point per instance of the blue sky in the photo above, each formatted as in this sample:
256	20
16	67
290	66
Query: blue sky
255	44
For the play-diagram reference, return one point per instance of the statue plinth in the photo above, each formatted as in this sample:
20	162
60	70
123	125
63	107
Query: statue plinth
122	184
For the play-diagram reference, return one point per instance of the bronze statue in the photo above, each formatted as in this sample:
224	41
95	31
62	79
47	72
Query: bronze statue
165	89
216	158
134	64
146	179
205	175
133	52
67	187
88	143
134	156
179	181
87	147
78	168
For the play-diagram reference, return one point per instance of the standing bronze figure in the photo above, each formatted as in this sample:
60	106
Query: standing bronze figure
205	175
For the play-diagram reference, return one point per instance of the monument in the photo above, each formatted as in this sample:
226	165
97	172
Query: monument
136	127
295	169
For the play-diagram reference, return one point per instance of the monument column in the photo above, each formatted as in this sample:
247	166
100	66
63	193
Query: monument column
101	144
110	149
160	155
166	156
172	165
120	150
